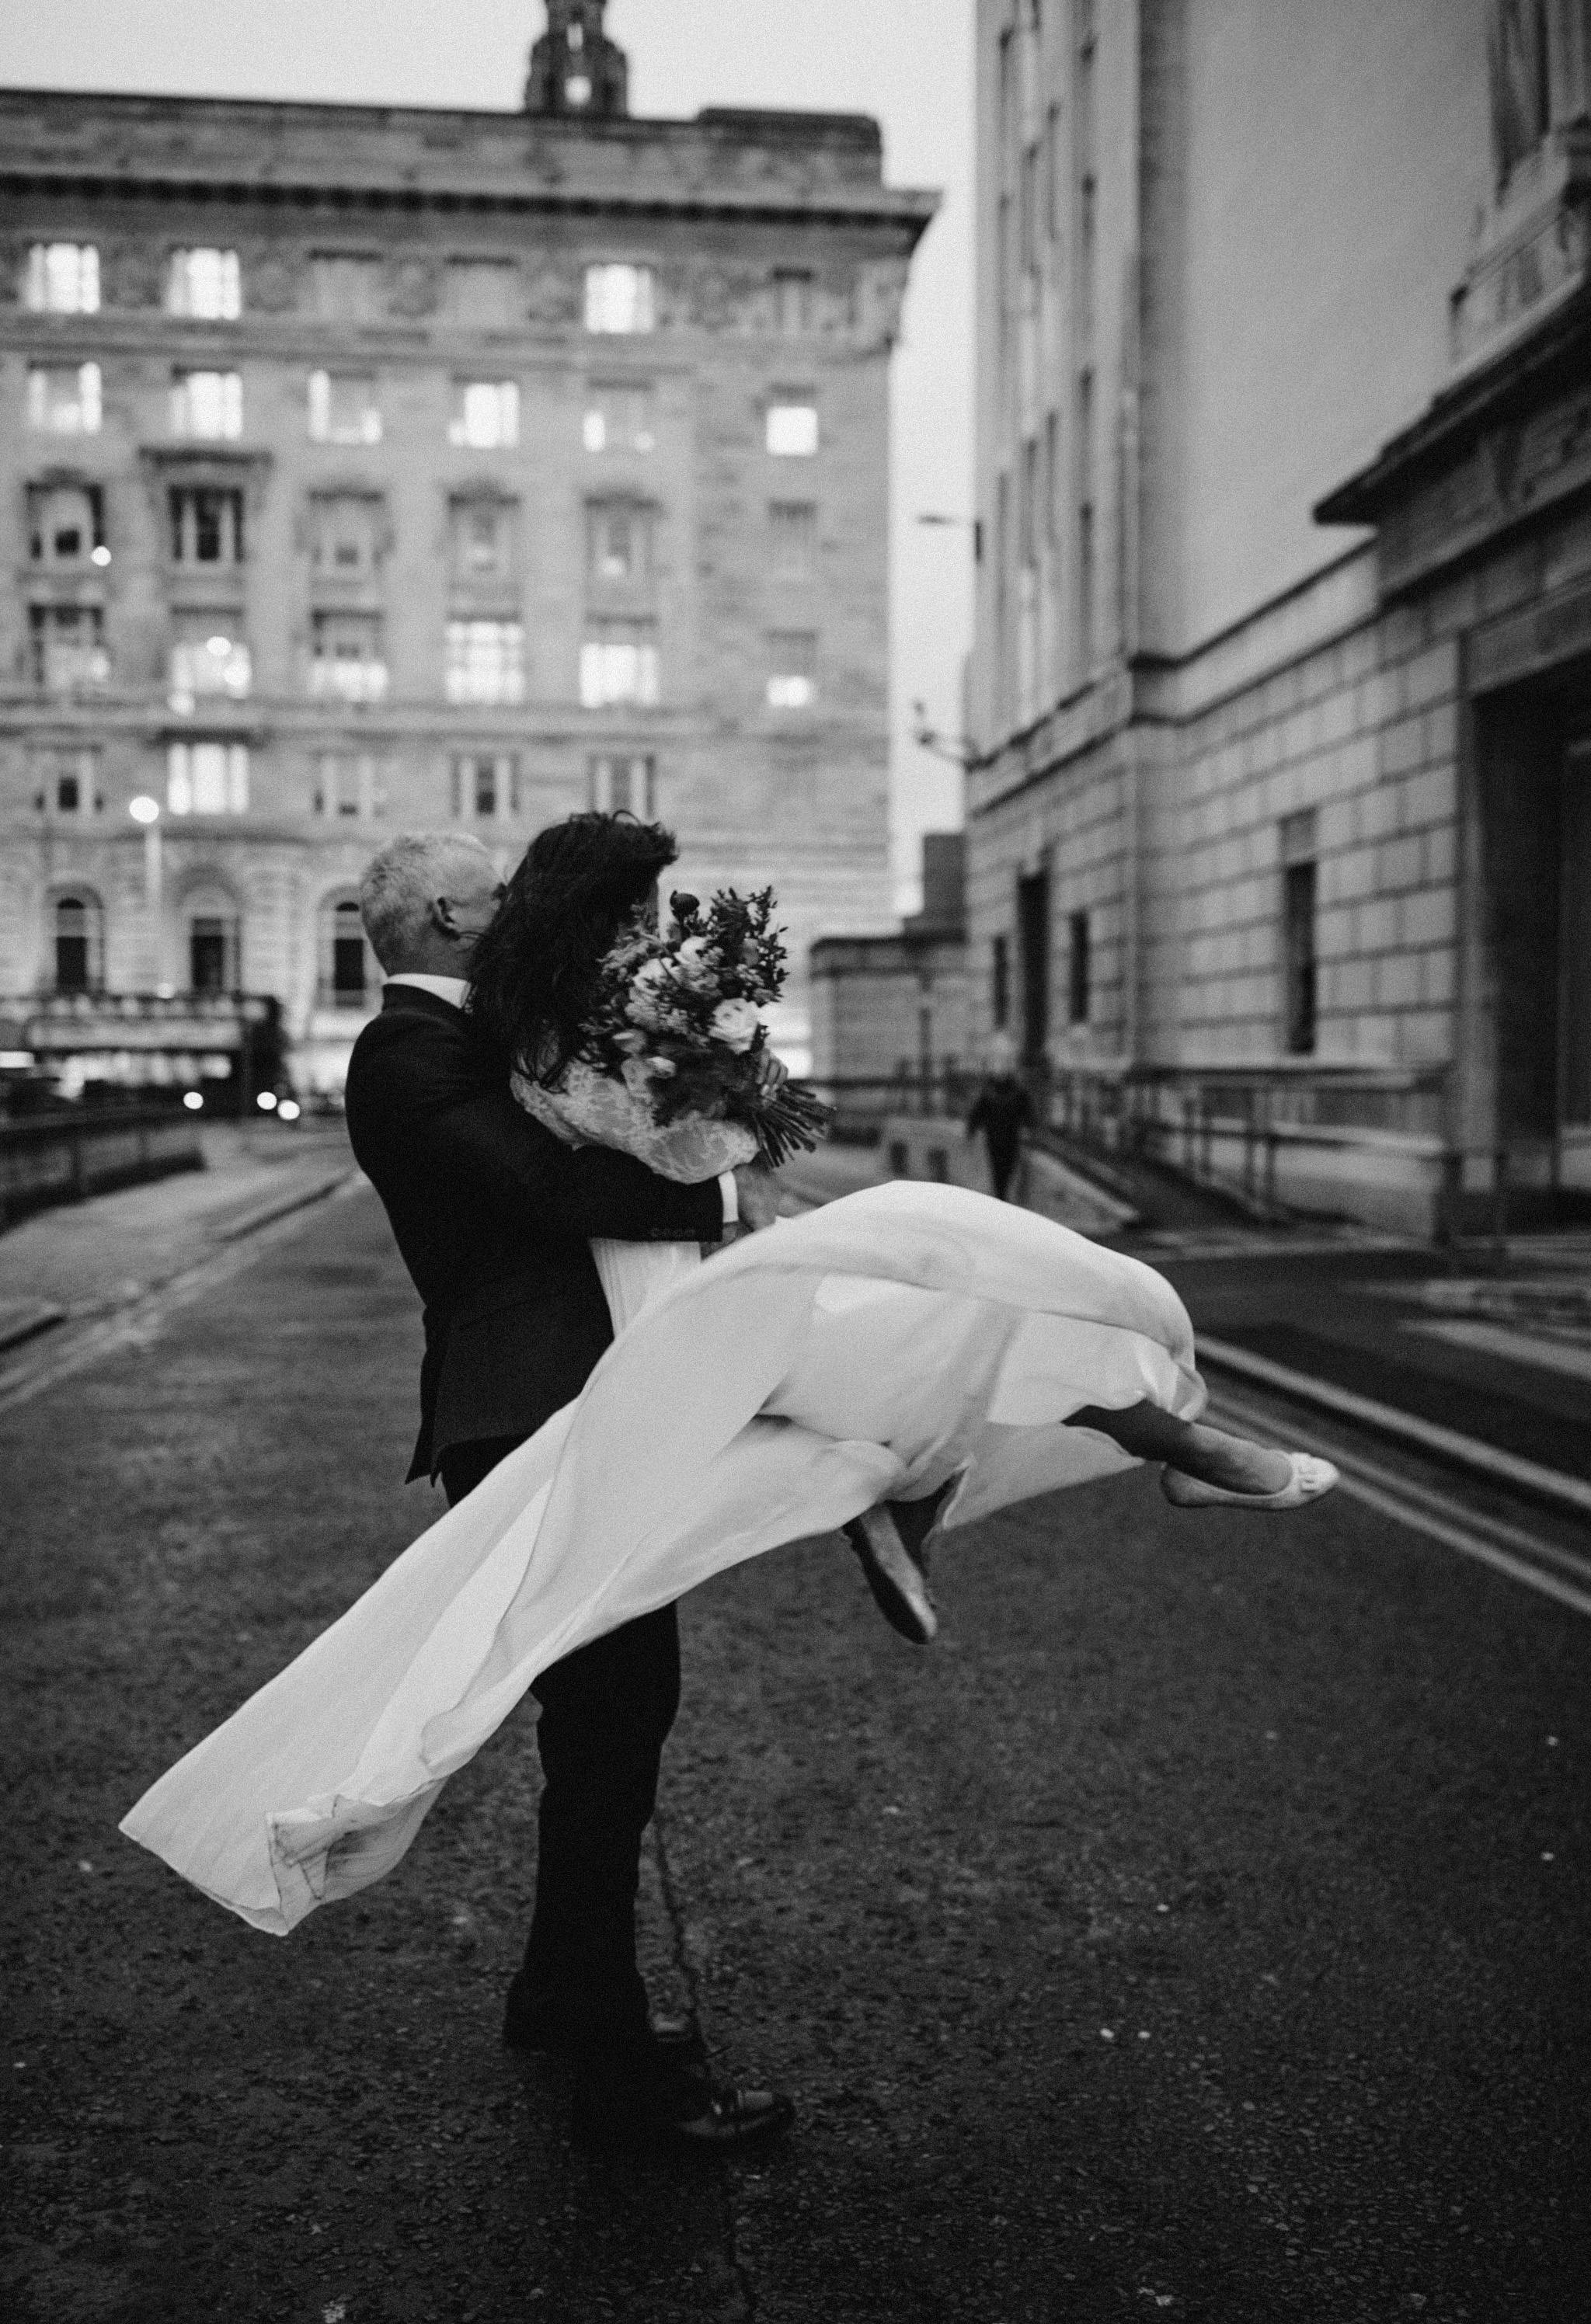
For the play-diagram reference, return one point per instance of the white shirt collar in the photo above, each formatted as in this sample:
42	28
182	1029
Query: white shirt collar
450	988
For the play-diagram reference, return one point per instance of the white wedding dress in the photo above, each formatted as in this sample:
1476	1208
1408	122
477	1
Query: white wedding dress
872	1349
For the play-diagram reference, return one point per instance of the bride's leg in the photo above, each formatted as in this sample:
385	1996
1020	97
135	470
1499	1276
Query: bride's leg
1150	1433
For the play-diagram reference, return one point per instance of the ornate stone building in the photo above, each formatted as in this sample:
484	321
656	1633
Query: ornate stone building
371	467
1275	827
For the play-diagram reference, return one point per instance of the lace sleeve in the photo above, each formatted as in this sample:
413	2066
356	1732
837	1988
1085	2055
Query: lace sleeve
587	1109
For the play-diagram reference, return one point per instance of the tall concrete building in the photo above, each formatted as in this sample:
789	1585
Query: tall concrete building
1281	696
370	467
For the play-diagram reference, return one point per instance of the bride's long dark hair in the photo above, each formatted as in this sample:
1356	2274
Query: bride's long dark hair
533	973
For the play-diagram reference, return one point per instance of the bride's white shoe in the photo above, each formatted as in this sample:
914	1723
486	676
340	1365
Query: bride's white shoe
1311	1478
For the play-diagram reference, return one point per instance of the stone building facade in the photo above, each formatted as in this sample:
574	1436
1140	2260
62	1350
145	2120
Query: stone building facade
366	468
892	1008
1272	821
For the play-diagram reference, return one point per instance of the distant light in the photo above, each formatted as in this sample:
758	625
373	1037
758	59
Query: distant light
143	810
15	1061
192	1100
266	1101
100	556
166	992
288	1110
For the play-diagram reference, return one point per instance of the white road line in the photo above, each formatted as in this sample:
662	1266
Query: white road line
1491	1541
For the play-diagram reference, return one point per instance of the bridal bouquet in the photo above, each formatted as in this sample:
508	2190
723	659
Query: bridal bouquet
676	1019
672	1062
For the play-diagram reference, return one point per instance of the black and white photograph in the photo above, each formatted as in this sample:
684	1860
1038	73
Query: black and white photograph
795	1161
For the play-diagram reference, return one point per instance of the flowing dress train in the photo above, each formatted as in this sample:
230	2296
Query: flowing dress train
874	1348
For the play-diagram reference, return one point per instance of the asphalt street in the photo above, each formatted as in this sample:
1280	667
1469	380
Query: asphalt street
1198	1929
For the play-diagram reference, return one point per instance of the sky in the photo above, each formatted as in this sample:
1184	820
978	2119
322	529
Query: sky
907	61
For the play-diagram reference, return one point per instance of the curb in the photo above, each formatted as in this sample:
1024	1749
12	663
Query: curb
1499	1468
27	1319
281	1207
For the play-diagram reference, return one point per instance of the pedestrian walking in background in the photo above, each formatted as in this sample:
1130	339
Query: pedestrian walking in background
1002	1110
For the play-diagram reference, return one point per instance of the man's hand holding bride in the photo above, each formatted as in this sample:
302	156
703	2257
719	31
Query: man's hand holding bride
756	1192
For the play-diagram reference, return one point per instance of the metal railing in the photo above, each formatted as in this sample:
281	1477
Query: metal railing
60	1158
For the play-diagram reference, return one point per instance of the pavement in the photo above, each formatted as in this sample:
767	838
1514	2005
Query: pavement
1195	1929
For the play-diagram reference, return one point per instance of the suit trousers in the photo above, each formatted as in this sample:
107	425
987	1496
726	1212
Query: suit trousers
605	1714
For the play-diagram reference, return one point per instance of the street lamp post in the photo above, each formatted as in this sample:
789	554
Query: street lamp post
146	811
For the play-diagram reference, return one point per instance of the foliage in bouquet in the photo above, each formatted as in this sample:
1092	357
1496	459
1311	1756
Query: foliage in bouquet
677	1020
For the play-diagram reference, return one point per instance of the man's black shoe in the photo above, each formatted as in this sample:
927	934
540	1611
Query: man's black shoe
678	2112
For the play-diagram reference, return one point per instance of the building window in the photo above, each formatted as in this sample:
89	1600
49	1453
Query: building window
343	407
346	787
1028	222
485	661
792	300
346	529
212	942
1053	481
792	549
618	663
1052	173
1079	969
1519	54
480	293
79	934
483	540
206	403
1085	519
64	398
792	670
1299	899
1029	512
623	782
68	646
485	785
206	778
619	417
618	542
63	278
69	783
208	660
346	976
1000	981
207	525
792	425
1032	931
346	662
205	285
485	414
64	525
619	298
345	288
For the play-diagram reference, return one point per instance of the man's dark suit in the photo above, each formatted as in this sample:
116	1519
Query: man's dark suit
493	1216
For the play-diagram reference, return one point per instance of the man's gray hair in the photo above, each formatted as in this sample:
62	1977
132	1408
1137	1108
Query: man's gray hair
400	885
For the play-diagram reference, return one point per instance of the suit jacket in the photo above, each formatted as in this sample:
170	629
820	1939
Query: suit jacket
493	1215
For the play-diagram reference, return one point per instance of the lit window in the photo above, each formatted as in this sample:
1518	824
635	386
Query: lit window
485	785
206	778
63	277
618	663
618	418
206	403
64	398
207	660
346	657
618	541
792	670
347	533
207	525
485	414
63	525
342	408
792	429
619	298
792	300
345	787
67	644
792	527
345	290
623	781
206	285
485	661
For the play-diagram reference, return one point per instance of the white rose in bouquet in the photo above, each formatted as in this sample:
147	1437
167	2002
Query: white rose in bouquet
736	1024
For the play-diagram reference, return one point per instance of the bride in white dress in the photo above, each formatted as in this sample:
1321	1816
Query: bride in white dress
909	1344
